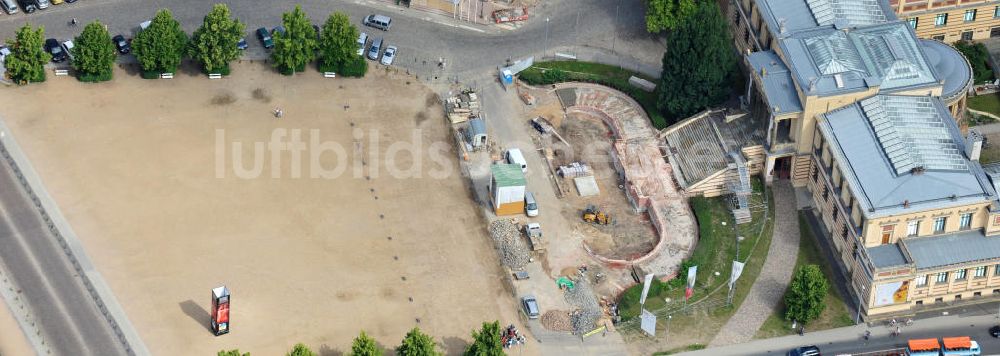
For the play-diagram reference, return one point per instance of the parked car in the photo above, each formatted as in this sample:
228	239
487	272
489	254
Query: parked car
55	49
381	22
28	6
375	49
530	306
41	4
242	44
67	46
389	55
362	41
279	29
811	350
265	38
9	6
121	44
56	2
4	52
995	331
71	1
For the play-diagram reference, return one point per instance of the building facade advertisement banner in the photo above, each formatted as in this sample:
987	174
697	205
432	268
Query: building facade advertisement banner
645	288
891	293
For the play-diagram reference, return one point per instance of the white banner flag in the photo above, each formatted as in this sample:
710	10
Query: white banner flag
647	321
737	271
645	288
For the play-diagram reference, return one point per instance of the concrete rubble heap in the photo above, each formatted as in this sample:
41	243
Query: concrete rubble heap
582	296
512	249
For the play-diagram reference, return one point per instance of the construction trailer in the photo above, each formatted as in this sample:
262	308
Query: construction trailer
507	189
220	310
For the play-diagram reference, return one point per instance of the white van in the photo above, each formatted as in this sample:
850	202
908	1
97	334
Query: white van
9	6
530	206
381	22
514	156
362	41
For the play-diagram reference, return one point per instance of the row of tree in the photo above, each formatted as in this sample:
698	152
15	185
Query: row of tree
160	47
486	341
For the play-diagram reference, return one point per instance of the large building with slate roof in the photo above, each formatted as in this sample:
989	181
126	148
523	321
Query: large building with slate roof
866	118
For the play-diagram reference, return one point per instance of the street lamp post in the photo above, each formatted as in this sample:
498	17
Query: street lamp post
546	52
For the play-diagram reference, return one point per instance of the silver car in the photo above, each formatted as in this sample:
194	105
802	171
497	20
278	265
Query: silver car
530	306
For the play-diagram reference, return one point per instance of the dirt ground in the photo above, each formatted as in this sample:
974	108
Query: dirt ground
134	165
630	235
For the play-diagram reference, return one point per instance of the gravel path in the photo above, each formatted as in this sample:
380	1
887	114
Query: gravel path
769	288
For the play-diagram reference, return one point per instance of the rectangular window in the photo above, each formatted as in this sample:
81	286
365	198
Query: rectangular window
912	21
939	224
970	15
921	281
826	194
967	36
912	228
996	12
965	222
941	20
979	272
938	300
815	174
843	232
834	213
958	297
960	274
938	38
887	233
942	277
977	294
996	270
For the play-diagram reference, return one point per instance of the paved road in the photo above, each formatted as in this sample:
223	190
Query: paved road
55	295
974	323
471	51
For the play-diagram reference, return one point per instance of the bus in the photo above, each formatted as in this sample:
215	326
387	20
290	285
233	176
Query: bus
960	346
923	347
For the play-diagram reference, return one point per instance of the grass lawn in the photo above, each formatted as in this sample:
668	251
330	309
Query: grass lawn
834	316
609	75
706	311
692	347
989	103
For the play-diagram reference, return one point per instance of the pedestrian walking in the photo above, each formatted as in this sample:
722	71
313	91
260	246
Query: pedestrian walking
897	331
802	330
868	334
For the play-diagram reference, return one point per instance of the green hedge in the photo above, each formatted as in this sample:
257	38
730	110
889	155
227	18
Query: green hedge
224	70
94	77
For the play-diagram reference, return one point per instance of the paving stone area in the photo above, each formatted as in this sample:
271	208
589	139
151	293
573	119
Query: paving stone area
769	288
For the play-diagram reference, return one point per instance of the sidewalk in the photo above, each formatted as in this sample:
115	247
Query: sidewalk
769	288
850	338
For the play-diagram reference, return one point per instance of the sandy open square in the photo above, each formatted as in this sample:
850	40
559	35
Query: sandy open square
134	165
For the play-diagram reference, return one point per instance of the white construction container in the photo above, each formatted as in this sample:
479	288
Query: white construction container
507	189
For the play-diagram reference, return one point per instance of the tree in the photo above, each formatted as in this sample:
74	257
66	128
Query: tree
338	43
213	44
663	15
804	299
486	341
161	46
27	59
94	54
698	64
416	343
979	58
301	349
296	46
231	353
364	345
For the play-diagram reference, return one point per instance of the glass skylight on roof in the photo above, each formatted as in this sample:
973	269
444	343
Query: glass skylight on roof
855	12
912	134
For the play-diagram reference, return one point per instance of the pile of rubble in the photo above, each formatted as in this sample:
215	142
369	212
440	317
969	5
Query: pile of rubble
557	320
513	251
582	296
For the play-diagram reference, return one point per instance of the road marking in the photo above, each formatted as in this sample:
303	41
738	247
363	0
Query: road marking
19	236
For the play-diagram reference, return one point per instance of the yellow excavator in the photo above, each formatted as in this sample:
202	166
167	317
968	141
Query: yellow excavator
595	216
